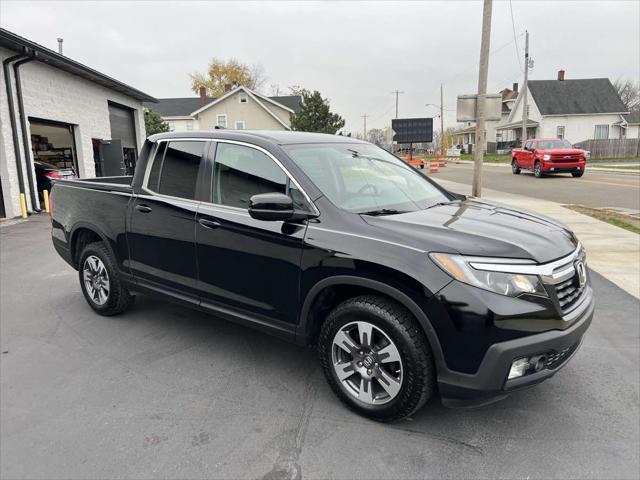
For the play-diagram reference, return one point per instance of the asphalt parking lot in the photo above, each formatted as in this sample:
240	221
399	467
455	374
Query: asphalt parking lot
166	392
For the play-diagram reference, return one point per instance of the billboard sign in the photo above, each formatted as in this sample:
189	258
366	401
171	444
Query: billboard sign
412	130
467	107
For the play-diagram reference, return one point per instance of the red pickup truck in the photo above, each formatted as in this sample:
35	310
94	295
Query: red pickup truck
548	155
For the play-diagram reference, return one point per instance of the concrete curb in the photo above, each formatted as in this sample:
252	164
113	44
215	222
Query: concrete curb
611	251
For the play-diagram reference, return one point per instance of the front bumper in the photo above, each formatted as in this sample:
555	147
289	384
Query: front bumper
490	382
559	167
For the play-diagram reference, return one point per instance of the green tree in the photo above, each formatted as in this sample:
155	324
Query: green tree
221	75
315	115
153	123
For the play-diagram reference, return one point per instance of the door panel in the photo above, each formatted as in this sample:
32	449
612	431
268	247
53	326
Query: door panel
162	242
249	264
163	218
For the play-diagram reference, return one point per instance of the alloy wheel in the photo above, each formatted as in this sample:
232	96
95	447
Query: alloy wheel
96	280
367	363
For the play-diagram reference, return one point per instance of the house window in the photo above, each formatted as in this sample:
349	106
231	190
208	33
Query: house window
221	121
189	125
240	125
242	98
601	132
560	132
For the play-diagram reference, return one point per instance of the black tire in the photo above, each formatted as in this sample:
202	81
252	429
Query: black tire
418	370
118	298
537	170
515	169
577	174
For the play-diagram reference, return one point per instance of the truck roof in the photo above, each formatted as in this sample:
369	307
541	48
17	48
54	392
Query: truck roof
280	137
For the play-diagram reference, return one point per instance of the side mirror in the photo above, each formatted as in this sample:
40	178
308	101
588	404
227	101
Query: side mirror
271	207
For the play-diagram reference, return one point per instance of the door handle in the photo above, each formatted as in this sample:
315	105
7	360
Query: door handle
208	223
143	208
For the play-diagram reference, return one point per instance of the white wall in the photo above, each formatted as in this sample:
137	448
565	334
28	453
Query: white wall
579	127
633	131
52	94
180	124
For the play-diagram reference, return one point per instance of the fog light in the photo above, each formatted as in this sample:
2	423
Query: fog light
518	368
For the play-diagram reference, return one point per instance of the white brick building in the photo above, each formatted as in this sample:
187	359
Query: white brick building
72	115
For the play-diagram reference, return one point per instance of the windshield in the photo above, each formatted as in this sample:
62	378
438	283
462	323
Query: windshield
364	178
551	144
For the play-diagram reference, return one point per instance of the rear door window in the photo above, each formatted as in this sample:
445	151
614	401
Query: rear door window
175	169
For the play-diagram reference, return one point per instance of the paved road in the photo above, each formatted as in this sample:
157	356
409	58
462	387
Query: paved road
593	189
166	392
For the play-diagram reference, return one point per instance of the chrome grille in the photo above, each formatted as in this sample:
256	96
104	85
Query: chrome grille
568	292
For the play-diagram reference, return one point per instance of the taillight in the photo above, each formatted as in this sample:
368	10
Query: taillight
53	175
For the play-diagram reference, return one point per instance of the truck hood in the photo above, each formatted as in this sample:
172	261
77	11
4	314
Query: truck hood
561	151
478	228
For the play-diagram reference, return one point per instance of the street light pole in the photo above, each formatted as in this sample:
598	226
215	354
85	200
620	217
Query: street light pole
441	122
478	155
524	89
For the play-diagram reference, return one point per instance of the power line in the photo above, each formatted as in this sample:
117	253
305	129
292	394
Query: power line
515	39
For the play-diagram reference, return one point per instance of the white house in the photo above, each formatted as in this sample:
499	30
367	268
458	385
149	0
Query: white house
239	108
631	125
577	110
56	111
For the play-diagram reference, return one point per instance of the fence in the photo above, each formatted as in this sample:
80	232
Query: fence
612	148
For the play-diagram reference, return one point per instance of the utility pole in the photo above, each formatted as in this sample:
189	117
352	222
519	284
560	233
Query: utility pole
365	125
478	154
441	122
397	92
60	40
524	89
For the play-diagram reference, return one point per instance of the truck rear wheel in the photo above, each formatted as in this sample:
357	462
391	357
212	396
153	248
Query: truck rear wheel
100	282
376	358
515	169
537	170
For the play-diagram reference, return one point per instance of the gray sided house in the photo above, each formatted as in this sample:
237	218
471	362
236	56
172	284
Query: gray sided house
57	113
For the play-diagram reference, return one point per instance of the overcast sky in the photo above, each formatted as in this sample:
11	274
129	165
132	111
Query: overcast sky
354	53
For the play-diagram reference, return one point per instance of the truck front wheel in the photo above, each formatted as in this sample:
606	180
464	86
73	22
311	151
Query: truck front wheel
578	174
514	167
537	169
376	358
100	282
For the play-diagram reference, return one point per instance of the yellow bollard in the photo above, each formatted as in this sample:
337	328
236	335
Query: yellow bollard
45	193
23	206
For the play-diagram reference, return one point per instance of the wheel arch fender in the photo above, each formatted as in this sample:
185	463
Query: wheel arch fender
306	323
86	226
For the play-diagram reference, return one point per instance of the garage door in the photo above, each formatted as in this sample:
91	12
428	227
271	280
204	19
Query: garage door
122	125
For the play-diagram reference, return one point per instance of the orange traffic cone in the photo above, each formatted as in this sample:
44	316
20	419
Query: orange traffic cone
433	166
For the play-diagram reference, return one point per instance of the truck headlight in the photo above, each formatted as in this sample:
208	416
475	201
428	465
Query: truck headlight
546	157
510	284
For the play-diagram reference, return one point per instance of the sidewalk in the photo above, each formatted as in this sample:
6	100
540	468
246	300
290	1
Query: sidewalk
611	251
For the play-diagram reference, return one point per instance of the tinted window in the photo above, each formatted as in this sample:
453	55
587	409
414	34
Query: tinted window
154	175
178	173
242	172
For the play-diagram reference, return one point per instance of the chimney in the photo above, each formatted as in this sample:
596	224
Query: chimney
561	75
203	96
60	40
515	87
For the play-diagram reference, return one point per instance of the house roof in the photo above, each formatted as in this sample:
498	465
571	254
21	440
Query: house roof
574	97
632	118
185	106
16	43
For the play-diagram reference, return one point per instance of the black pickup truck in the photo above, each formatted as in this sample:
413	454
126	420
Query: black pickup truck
328	241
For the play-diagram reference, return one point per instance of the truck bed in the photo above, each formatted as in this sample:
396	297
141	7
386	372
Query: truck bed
110	184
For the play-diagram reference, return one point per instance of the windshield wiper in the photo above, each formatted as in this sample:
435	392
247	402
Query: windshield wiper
440	204
382	211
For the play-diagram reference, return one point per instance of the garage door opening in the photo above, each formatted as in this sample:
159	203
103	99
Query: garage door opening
54	152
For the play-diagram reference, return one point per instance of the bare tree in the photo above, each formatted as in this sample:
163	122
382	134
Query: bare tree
629	92
377	136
